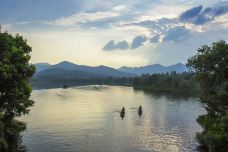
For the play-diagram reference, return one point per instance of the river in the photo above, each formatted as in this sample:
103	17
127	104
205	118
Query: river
86	119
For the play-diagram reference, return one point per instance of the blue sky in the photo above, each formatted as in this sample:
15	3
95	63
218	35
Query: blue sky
116	32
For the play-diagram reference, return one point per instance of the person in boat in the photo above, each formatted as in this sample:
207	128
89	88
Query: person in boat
123	110
140	110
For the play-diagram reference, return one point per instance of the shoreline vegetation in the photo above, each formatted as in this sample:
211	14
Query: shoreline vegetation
168	83
145	81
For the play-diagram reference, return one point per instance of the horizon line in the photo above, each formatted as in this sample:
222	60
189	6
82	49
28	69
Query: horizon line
109	66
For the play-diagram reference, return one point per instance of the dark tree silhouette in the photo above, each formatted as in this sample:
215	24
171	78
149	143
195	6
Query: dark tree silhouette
15	70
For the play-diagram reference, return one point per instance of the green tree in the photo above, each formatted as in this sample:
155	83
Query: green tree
15	71
211	67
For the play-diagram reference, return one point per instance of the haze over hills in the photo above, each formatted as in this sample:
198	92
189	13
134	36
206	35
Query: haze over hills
41	66
67	69
155	68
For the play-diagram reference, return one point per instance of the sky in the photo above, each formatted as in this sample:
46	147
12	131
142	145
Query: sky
115	32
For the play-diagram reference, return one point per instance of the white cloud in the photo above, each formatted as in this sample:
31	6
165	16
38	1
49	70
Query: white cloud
6	27
119	7
222	21
23	23
84	17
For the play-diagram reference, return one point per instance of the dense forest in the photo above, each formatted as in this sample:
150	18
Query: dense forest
164	82
167	82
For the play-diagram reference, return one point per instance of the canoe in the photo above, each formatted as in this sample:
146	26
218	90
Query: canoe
65	86
122	113
140	112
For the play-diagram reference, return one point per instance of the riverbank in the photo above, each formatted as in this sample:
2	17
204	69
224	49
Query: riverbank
176	83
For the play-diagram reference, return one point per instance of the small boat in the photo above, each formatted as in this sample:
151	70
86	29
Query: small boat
122	113
140	111
65	86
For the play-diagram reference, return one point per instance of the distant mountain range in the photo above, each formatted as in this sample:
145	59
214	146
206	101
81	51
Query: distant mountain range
67	69
155	68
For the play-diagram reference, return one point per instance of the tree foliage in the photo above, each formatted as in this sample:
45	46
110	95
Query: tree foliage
211	67
168	82
15	89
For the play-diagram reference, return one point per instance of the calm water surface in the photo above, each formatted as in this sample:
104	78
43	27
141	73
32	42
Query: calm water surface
86	119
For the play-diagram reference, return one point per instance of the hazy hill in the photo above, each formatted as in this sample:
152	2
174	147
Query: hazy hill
41	66
155	68
179	67
63	73
70	69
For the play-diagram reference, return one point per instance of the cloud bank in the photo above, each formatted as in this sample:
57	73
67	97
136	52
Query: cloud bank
199	15
132	32
111	45
181	27
138	41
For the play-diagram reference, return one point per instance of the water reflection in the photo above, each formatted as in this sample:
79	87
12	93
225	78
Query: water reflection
88	119
172	95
